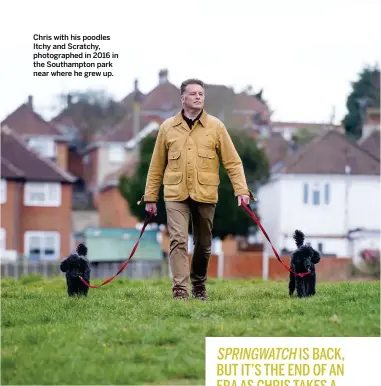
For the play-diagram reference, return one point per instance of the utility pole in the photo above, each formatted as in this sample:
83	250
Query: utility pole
347	171
136	115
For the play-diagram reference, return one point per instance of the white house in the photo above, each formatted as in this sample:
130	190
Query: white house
327	188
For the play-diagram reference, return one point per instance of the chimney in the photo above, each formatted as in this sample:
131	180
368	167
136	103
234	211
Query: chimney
163	76
136	85
69	100
30	102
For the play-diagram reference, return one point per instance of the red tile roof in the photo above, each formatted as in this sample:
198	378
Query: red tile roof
329	154
18	161
164	97
245	101
25	121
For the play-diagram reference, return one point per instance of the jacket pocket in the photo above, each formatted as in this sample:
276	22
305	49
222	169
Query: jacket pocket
171	183
174	160
172	178
206	158
208	186
205	178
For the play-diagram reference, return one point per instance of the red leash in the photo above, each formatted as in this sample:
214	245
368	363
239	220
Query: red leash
126	262
255	218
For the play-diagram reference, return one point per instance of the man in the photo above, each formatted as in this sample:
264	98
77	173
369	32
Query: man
186	157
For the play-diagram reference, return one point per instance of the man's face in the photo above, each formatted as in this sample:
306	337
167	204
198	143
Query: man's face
193	97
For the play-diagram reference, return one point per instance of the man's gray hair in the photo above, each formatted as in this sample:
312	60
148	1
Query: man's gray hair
190	81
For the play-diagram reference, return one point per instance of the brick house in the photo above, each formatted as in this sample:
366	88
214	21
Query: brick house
36	202
113	209
109	152
39	134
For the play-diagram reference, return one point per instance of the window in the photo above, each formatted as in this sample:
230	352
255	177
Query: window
316	195
42	245
305	193
326	193
3	242
42	194
3	191
86	159
44	146
116	153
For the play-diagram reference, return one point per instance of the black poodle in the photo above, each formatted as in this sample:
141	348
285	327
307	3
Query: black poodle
74	266
303	260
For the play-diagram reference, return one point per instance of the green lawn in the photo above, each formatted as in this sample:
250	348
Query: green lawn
132	332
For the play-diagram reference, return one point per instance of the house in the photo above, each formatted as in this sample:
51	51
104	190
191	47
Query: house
326	188
147	112
113	209
39	134
36	198
108	152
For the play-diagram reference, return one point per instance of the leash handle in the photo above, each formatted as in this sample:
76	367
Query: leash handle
127	261
256	220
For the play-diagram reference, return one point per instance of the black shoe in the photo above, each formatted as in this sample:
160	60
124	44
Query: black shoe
199	292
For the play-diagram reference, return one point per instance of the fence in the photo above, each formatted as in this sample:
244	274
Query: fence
242	265
136	269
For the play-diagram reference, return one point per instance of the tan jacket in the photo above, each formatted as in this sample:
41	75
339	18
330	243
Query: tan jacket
188	161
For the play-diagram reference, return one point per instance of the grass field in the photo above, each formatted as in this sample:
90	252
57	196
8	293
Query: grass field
132	332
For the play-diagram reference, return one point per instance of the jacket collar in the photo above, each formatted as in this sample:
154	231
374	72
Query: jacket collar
178	119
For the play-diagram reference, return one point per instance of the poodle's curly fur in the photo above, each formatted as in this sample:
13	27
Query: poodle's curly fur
75	265
303	259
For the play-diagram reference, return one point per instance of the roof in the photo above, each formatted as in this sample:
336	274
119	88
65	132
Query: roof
25	121
18	161
127	169
371	143
248	102
128	100
9	171
303	125
276	148
123	130
164	97
329	153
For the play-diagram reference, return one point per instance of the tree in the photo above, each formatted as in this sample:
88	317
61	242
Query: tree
304	136
91	111
365	93
229	218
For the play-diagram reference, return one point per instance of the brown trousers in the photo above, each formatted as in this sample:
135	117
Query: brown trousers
178	215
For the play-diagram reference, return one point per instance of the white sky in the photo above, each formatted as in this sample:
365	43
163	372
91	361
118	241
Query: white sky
303	53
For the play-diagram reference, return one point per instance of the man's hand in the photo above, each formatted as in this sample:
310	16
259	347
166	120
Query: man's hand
151	207
245	198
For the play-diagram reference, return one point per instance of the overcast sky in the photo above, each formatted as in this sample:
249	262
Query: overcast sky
304	54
